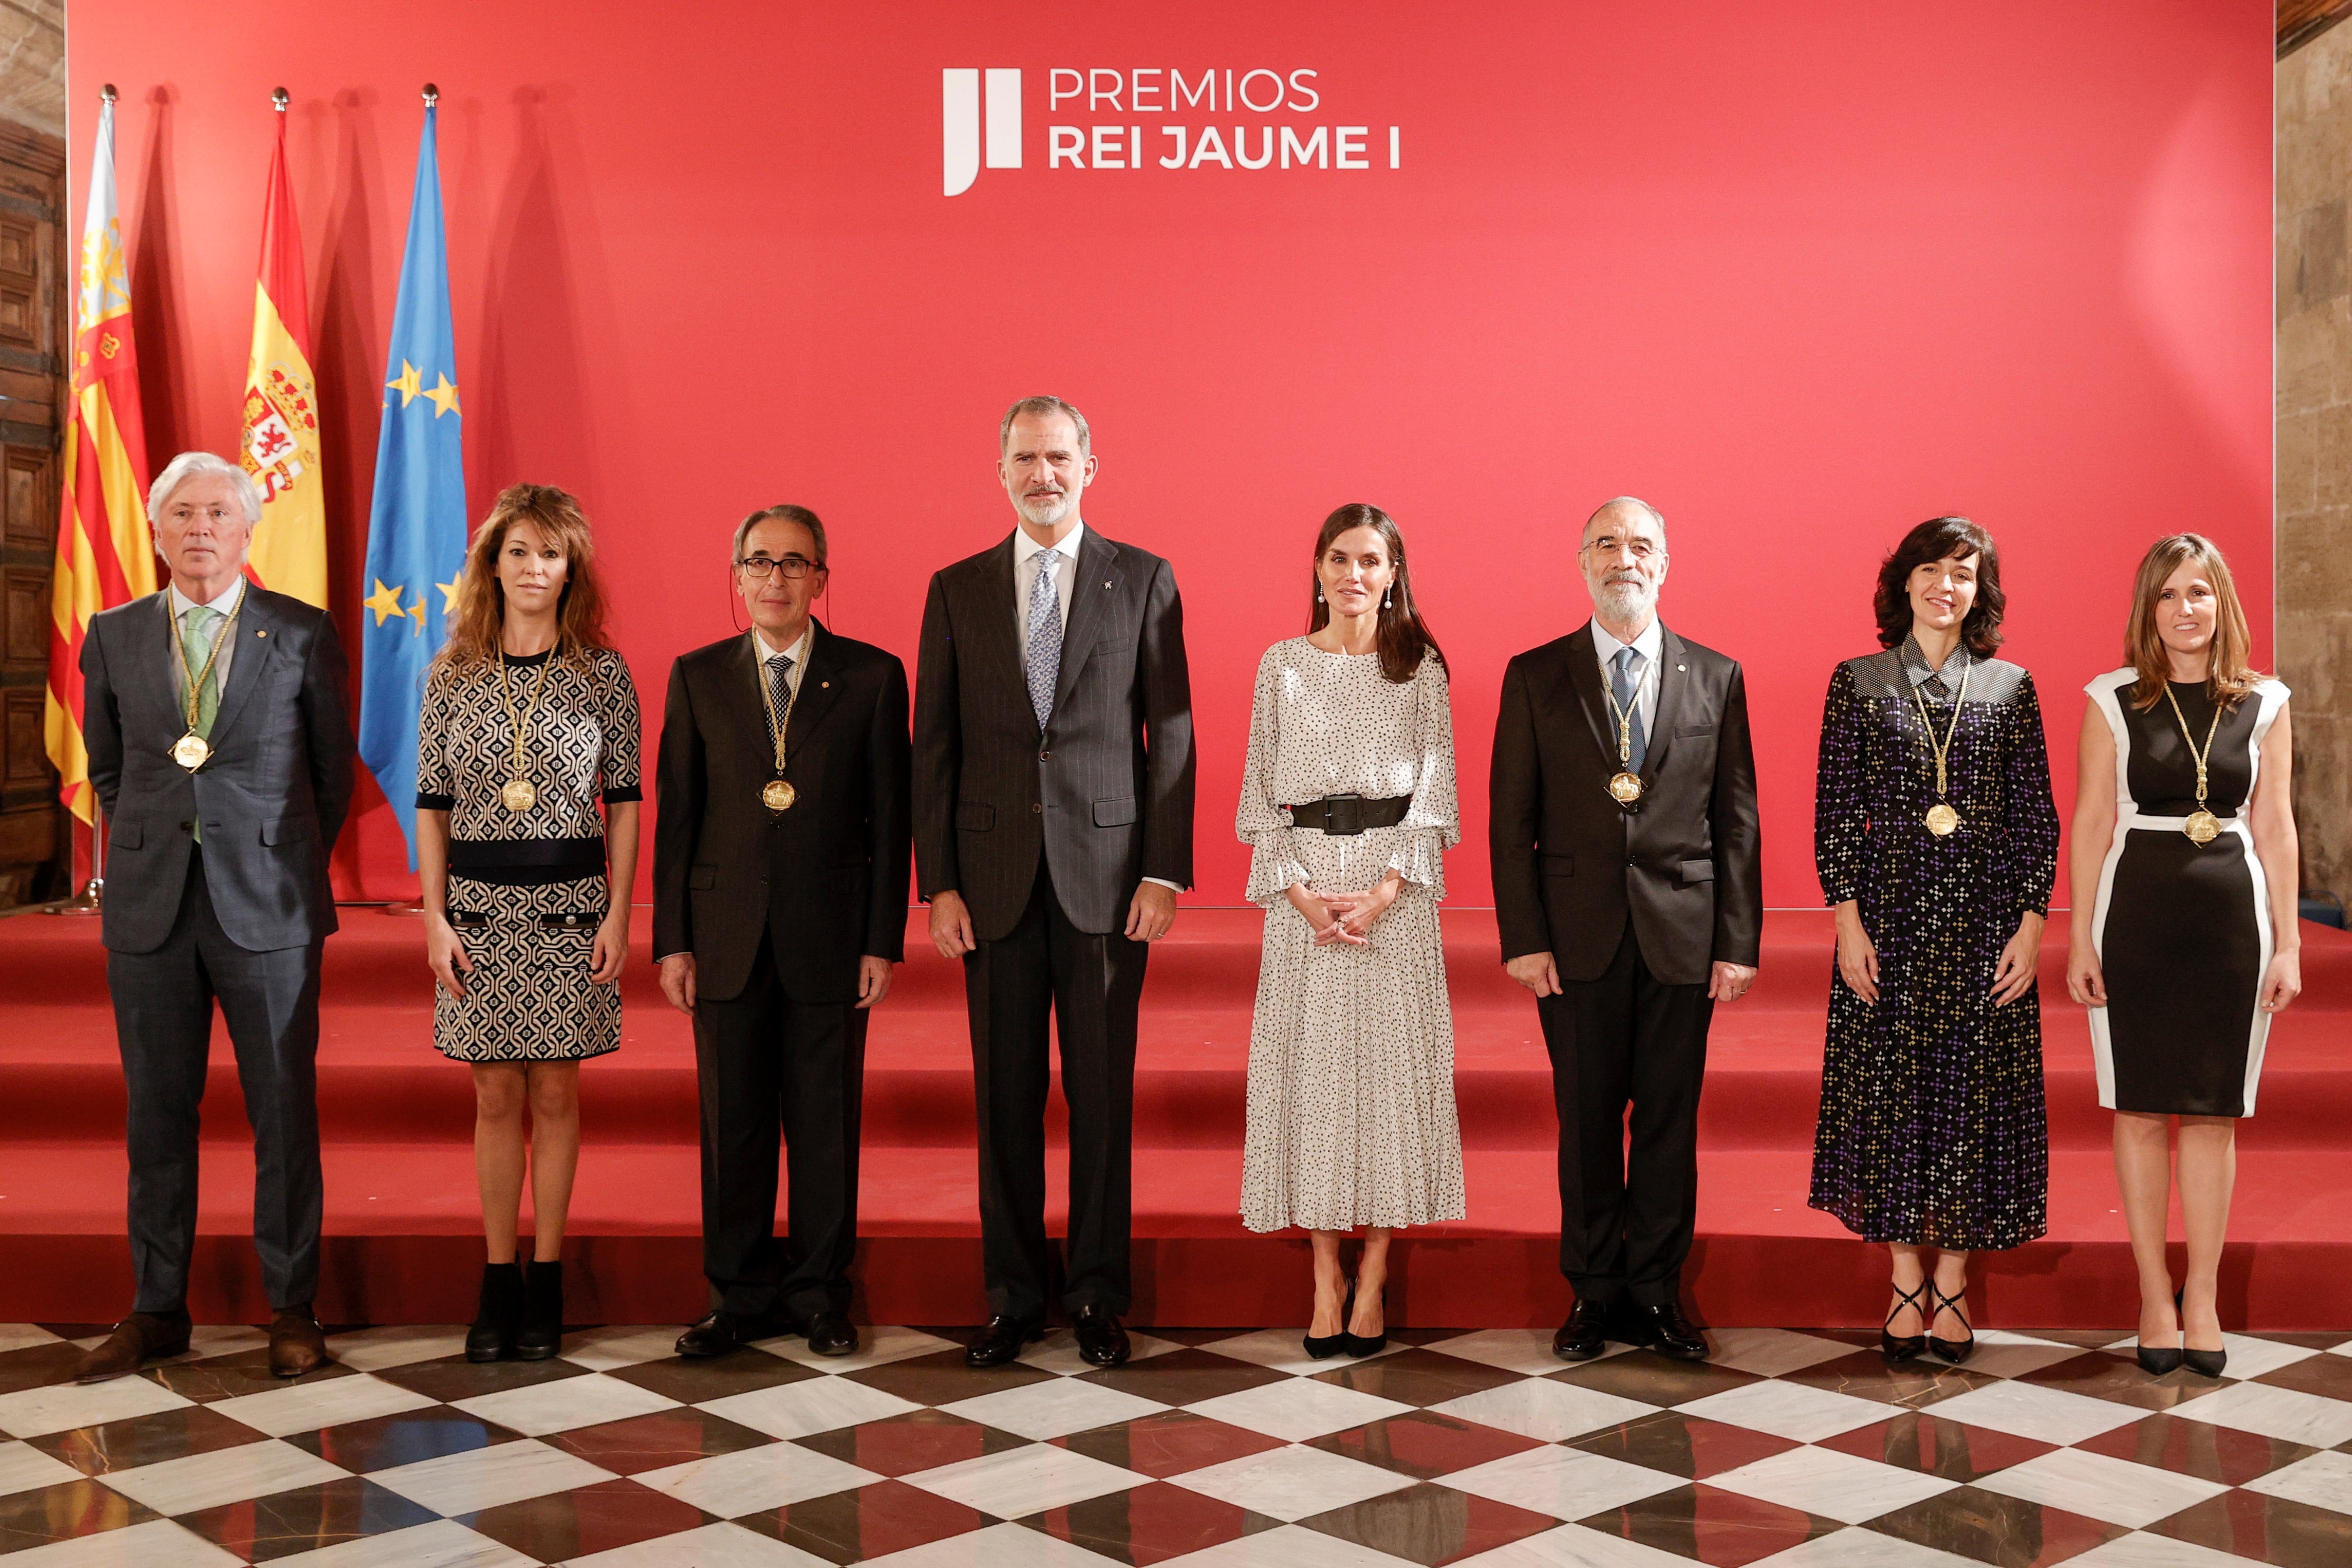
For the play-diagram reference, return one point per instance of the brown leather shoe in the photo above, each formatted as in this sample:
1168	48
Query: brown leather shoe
141	1337
296	1343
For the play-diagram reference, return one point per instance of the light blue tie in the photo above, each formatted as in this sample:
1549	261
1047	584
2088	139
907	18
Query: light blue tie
1044	661
1629	692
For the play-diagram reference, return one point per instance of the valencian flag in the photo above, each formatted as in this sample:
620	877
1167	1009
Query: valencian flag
279	446
416	525
105	554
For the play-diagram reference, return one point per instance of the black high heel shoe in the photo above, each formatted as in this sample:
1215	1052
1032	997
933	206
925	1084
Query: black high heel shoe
2156	1363
1323	1347
1906	1346
1358	1346
1953	1351
2204	1364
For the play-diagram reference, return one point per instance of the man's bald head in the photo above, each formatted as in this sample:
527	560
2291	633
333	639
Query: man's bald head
1631	509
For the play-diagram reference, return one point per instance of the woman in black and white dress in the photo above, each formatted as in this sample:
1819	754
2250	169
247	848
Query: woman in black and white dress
2184	824
530	724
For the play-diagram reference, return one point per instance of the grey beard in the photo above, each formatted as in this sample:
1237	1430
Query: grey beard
1624	601
1046	512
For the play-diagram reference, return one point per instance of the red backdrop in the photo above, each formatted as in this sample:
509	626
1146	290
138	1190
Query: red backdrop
1800	275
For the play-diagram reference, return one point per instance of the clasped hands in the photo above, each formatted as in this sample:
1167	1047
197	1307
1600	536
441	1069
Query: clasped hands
2012	975
1346	919
1149	913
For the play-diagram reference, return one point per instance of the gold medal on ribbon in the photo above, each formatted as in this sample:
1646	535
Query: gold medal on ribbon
518	794
1942	820
1625	788
1625	785
778	795
192	750
2201	826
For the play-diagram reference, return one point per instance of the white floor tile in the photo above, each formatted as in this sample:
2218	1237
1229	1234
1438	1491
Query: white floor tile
2322	1480
712	1546
877	1346
602	1350
998	1546
1865	1549
1771	1352
397	1344
1297	1410
1525	1350
2140	1549
1291	1547
484	1477
2287	1414
2251	1355
1280	1349
24	1337
444	1544
2029	1410
1789	1410
1566	1483
1837	1486
330	1402
751	1479
1057	1352
1042	1410
158	1543
206	1340
801	1409
62	1406
1546	1411
1017	1482
1572	1546
2098	1487
25	1469
539	1408
225	1475
1292	1483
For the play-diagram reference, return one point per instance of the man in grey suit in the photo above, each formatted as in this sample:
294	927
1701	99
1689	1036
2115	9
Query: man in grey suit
1052	830
221	748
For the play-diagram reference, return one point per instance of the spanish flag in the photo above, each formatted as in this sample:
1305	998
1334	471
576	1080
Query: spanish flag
105	554
281	445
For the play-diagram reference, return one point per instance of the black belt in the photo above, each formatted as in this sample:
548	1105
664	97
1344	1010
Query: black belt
1345	816
526	862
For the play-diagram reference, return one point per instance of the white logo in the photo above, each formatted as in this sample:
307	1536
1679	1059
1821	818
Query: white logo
960	124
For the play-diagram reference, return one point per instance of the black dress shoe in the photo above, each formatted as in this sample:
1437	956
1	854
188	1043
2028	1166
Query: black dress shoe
722	1331
831	1333
1001	1341
1101	1342
498	1318
1669	1333
1585	1333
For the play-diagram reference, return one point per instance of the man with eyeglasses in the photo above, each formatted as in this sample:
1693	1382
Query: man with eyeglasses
1628	886
780	905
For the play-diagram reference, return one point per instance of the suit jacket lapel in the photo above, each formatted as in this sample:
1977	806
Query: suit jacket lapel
743	702
997	636
1674	686
1096	579
257	632
817	694
1584	678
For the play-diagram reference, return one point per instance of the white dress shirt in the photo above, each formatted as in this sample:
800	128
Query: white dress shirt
767	650
1026	551
230	597
1645	692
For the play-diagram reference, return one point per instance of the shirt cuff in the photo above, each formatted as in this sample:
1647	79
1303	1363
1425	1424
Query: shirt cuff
1164	882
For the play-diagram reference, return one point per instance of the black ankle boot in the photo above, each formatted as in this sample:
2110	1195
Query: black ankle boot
493	1337
541	1334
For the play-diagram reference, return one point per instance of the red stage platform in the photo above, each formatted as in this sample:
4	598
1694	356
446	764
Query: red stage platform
402	1222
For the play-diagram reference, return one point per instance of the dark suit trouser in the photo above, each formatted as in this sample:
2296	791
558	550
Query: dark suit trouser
1091	986
770	1068
1626	1218
163	1024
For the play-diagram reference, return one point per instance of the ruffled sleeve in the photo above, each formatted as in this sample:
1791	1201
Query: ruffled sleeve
1433	824
1259	820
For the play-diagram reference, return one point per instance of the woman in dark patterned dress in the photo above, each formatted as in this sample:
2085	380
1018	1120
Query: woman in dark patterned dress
2184	821
1937	842
530	719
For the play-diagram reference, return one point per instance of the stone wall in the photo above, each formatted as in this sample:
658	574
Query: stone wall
2314	444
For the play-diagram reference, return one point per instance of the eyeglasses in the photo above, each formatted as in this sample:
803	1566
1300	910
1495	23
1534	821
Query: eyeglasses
791	566
1612	549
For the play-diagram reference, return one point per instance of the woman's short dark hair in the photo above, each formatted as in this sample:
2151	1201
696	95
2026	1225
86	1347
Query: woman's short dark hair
1942	539
1401	636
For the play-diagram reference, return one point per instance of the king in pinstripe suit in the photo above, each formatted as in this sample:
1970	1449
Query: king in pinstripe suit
1052	830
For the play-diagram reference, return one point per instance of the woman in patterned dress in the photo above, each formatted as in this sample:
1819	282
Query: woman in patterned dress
1348	807
1937	843
530	719
2190	945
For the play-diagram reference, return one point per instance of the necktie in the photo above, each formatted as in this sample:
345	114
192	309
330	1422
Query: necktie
196	645
780	685
1044	662
1629	691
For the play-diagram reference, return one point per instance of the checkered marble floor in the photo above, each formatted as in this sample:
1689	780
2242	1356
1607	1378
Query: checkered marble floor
1211	1449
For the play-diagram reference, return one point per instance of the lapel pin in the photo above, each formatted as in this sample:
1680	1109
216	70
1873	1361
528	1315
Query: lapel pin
1681	666
259	633
825	685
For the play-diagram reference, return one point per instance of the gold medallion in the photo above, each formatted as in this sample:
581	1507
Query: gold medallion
518	794
1942	820
2202	827
778	795
191	751
1626	787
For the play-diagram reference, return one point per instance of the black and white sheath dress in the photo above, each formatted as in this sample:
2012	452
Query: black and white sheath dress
2183	933
527	888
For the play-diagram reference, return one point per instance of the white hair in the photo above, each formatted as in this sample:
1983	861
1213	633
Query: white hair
204	464
1657	518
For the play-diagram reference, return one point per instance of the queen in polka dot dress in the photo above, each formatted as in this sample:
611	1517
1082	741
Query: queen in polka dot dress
1348	806
1933	1132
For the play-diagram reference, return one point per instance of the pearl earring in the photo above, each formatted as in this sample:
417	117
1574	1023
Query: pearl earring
1386	597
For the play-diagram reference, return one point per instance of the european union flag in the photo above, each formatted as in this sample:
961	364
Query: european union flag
417	525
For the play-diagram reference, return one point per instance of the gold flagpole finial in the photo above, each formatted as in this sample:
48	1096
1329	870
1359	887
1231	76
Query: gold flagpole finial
107	92
278	96
432	95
